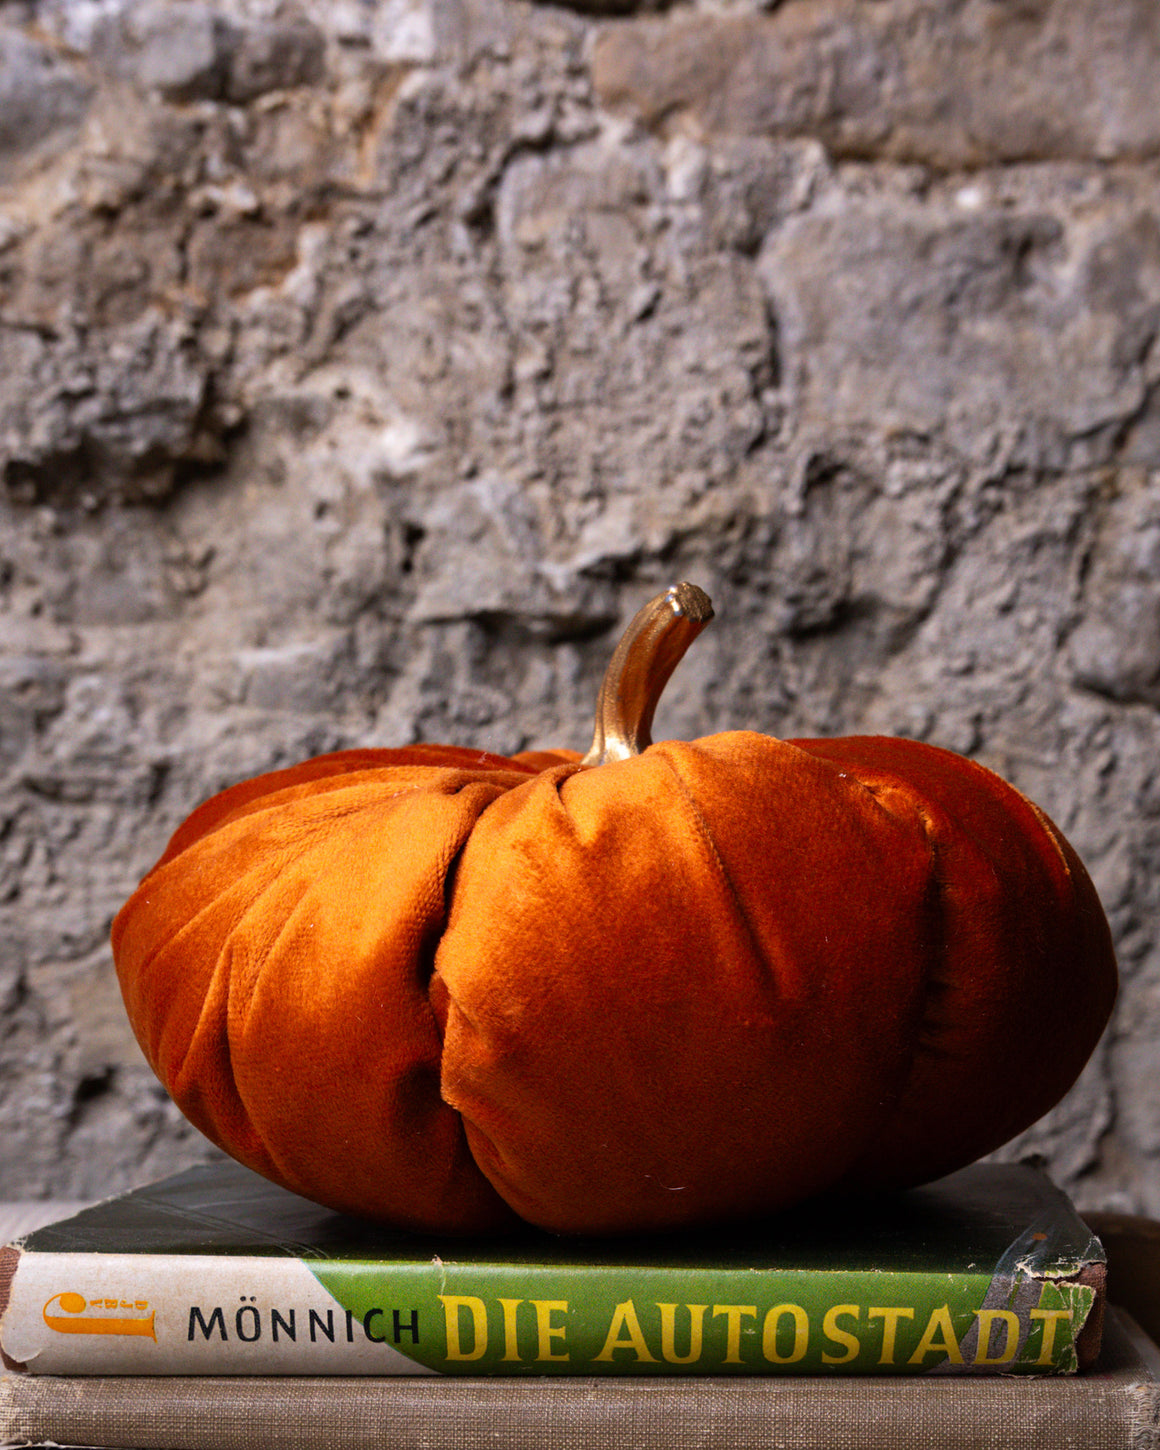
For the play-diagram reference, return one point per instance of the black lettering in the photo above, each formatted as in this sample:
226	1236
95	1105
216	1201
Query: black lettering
255	1324
366	1324
216	1318
411	1327
349	1327
276	1322
317	1322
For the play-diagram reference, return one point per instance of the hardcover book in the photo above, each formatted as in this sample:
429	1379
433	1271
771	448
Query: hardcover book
218	1272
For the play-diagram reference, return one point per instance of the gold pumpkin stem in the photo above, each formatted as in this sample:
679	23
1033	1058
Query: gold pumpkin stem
649	651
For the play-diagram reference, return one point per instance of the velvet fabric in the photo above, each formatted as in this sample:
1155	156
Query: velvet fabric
442	988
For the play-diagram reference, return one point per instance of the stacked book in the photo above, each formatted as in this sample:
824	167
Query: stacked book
216	1310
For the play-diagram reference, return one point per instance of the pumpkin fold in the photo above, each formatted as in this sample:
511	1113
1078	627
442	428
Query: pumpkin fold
278	987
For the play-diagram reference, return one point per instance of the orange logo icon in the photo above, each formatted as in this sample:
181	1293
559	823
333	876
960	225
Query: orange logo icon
69	1316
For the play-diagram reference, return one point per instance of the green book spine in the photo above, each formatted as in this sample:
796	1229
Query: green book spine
938	1283
632	1320
123	1314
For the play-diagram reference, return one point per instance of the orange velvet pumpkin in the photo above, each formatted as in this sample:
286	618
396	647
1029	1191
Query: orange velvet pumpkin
667	984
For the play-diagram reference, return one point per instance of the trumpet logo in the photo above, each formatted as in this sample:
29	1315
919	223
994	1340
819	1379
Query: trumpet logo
69	1313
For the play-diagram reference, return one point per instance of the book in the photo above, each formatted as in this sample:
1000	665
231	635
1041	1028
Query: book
218	1272
1114	1406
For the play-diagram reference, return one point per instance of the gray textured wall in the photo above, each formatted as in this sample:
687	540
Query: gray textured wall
364	365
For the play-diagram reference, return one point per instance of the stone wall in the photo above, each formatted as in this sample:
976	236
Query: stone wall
364	366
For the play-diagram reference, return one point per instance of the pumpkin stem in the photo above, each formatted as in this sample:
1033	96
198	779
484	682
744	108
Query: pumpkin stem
649	651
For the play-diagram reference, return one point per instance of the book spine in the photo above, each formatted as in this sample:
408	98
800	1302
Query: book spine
577	1414
192	1314
9	1258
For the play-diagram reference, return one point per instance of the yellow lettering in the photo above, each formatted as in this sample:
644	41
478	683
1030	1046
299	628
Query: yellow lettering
547	1331
511	1343
849	1341
733	1313
938	1334
801	1334
669	1332
624	1318
452	1304
890	1316
987	1318
1051	1318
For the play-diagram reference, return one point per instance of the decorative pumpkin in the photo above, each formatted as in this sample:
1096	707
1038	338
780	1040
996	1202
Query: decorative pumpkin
658	985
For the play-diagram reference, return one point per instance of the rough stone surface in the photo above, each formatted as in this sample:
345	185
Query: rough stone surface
363	367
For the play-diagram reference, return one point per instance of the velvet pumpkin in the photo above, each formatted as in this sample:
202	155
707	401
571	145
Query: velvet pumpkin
664	984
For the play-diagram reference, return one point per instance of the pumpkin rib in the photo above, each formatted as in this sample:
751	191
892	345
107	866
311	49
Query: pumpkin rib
411	1088
224	1034
261	1159
246	1014
927	1036
252	907
339	770
997	971
705	832
172	943
932	914
274	895
934	984
937	982
924	1038
681	1096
